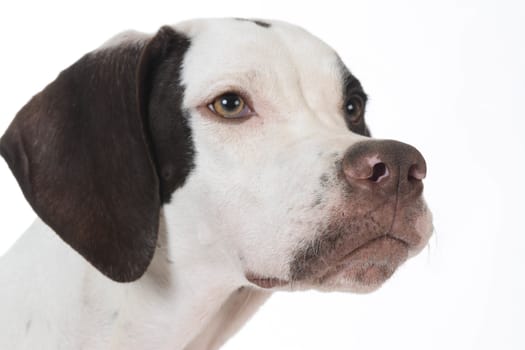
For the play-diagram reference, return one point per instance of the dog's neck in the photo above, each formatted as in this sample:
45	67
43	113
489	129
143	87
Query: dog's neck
231	316
187	302
181	302
202	319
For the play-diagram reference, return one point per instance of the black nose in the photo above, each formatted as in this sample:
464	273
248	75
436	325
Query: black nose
385	166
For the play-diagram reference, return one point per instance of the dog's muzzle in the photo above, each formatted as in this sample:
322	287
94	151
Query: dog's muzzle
380	220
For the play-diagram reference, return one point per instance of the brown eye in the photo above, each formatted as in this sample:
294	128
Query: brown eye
230	105
354	109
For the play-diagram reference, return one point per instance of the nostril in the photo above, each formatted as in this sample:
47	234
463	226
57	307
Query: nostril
416	173
384	168
379	171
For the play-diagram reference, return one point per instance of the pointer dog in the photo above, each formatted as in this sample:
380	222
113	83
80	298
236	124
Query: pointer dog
180	178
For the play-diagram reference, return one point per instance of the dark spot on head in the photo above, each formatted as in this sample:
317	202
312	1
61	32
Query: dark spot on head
168	125
324	180
259	23
114	315
317	201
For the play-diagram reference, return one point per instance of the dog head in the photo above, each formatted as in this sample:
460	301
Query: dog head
251	132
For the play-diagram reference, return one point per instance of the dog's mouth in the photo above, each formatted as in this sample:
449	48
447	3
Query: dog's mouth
355	253
368	265
266	282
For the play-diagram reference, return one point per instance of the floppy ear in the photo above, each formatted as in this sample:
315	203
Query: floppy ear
81	152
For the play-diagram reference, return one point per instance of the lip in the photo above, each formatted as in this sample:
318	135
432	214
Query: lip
266	282
372	242
371	263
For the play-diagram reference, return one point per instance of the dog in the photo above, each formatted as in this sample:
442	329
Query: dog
181	178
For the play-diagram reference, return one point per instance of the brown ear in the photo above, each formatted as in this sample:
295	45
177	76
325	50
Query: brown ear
81	154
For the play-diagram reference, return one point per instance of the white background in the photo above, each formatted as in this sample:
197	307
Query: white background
447	77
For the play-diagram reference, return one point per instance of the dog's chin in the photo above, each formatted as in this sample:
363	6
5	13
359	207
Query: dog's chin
363	270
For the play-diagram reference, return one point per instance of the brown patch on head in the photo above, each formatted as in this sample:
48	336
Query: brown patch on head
257	22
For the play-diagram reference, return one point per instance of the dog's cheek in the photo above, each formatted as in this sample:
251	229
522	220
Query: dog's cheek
262	196
274	231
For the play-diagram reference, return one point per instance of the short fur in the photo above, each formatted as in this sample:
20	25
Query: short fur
204	217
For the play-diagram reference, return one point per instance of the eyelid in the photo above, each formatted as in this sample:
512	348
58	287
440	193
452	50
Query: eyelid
229	89
359	94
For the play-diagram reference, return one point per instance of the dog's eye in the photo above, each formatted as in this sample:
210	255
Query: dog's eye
354	109
230	105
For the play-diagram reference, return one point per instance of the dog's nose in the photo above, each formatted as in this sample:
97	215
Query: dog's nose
385	166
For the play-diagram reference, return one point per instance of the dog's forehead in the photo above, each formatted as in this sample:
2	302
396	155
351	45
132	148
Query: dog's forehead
241	32
255	53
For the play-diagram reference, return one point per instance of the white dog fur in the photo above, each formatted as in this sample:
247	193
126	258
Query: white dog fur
252	200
